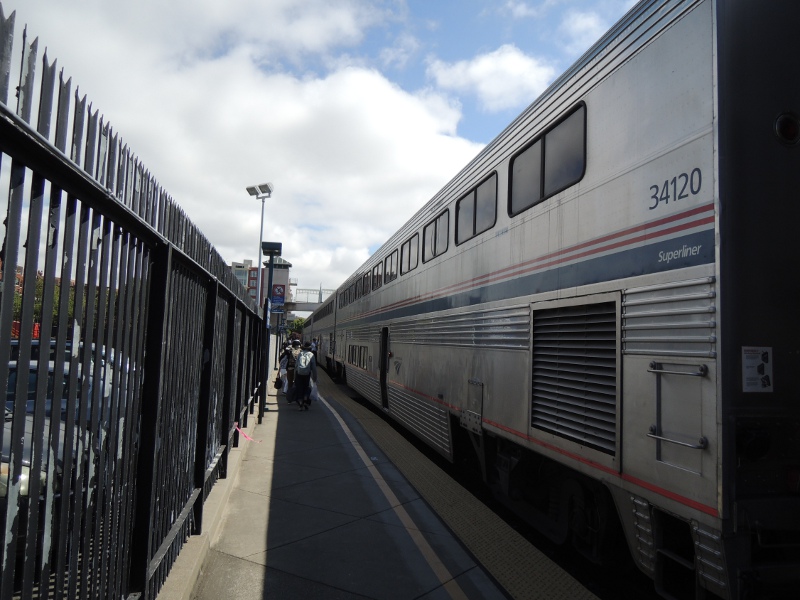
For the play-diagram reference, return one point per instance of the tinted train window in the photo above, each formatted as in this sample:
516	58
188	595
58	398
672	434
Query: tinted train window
565	153
465	218
409	254
357	355
366	279
390	267
526	179
377	276
435	237
552	163
477	211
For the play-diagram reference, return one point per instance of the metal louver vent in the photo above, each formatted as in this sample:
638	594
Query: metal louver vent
575	374
497	328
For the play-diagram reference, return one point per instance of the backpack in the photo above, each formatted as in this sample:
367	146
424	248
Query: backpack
291	359
303	364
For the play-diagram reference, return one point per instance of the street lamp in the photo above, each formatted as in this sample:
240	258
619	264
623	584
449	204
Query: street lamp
262	191
271	250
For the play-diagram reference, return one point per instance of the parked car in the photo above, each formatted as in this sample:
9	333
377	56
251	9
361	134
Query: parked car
25	480
55	415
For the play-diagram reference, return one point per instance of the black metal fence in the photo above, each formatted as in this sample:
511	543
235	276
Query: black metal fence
128	351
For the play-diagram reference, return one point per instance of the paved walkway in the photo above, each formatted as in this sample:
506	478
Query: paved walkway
318	510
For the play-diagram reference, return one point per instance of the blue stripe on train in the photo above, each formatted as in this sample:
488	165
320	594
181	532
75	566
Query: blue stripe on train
679	253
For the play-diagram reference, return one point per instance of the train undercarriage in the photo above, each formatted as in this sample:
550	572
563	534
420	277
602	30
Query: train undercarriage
574	510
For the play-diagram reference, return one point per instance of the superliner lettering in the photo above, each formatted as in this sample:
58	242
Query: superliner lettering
668	257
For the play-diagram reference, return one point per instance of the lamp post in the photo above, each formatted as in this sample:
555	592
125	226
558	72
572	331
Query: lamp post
262	191
270	249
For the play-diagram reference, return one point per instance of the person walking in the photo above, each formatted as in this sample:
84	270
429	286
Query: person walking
291	354
305	370
283	362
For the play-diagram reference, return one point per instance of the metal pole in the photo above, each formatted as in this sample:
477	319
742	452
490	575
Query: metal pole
267	319
258	254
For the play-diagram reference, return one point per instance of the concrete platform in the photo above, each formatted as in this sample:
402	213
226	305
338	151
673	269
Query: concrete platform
333	503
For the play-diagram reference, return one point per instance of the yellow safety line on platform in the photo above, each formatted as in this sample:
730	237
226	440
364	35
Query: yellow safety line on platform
438	567
524	571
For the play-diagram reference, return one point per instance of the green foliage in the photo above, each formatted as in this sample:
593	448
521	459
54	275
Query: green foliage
297	325
110	303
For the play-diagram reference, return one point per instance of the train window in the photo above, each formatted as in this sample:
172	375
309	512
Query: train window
358	355
359	288
328	309
390	267
526	179
362	356
366	282
377	276
409	254
552	163
428	241
486	205
565	153
435	237
477	211
442	233
465	218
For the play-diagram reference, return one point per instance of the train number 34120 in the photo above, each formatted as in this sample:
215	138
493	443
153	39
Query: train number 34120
677	188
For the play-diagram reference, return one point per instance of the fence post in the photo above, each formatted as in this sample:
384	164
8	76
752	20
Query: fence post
231	344
141	551
204	404
261	369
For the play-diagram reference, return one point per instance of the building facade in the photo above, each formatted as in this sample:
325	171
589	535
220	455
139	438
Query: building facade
281	291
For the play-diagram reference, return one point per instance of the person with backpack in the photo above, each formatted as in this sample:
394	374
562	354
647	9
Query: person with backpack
305	369
290	354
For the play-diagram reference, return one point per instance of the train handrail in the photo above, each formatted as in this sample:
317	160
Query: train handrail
701	444
702	370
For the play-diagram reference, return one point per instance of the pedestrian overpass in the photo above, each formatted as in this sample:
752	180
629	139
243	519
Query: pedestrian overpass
301	306
307	300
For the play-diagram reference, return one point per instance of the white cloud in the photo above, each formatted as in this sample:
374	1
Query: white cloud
351	155
519	9
399	54
503	79
188	30
579	30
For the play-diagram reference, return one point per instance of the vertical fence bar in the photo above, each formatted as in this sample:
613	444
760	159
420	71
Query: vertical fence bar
204	404
10	256
161	267
230	400
48	292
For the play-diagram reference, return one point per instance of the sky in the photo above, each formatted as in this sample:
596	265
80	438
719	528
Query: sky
357	111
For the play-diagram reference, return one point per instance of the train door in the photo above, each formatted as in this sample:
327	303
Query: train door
384	367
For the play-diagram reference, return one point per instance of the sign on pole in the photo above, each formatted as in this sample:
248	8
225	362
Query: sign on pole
278	294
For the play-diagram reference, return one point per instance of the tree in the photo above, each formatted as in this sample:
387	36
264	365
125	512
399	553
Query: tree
297	325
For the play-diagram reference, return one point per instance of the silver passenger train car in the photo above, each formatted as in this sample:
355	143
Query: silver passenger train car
601	309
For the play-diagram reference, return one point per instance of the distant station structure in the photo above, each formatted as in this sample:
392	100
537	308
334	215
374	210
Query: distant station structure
308	299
